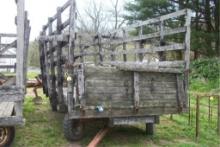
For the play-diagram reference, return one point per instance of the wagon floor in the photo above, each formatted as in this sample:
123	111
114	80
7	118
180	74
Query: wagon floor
6	109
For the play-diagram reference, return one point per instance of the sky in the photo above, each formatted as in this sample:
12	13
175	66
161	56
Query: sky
38	12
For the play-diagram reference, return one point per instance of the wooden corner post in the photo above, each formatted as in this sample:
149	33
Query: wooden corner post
71	59
20	43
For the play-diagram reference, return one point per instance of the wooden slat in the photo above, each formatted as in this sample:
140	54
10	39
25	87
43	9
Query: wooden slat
6	109
91	112
12	45
65	6
59	60
11	121
136	90
173	47
150	36
7	56
153	20
181	97
7	66
7	35
60	37
20	43
71	54
162	64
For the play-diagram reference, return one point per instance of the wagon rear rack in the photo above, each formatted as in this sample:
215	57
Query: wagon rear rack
132	74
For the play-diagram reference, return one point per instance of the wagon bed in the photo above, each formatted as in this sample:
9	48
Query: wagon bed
123	76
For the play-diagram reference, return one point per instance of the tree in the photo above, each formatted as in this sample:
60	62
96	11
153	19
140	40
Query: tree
95	20
205	23
33	54
116	13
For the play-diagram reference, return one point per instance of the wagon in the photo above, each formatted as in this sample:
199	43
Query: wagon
13	59
130	75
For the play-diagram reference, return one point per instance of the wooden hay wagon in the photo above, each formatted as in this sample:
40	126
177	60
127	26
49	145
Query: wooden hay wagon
130	75
13	60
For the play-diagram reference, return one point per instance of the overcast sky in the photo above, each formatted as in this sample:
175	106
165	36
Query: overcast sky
39	11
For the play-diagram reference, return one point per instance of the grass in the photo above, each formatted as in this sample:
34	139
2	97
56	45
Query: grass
43	128
32	75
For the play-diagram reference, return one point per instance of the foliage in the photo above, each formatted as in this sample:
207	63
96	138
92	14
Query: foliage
33	54
205	22
44	128
205	74
206	68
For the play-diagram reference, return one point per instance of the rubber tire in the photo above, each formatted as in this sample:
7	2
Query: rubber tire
10	138
53	103
69	129
150	129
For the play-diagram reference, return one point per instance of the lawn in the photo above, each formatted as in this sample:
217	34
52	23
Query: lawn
44	129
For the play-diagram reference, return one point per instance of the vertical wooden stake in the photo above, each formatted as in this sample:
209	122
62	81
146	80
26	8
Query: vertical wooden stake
171	116
197	117
189	114
209	115
218	125
124	46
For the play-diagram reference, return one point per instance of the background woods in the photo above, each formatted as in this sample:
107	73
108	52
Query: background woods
205	22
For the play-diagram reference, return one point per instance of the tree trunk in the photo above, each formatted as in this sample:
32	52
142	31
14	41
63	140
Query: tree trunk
217	11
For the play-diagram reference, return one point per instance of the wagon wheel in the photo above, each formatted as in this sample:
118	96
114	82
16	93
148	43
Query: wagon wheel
73	129
6	136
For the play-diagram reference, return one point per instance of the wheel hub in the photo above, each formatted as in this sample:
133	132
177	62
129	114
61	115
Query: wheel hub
3	135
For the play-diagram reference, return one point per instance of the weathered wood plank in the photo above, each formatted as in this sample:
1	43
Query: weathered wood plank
12	45
7	56
153	20
71	55
136	87
142	68
124	46
7	66
11	121
181	97
59	37
6	109
20	43
65	6
8	35
149	36
50	57
90	112
59	60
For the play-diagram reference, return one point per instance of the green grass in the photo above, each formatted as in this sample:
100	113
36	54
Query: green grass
44	128
32	75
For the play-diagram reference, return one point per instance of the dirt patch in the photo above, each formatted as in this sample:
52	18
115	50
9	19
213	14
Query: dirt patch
75	144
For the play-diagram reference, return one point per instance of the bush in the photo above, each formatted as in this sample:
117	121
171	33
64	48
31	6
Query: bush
208	69
204	75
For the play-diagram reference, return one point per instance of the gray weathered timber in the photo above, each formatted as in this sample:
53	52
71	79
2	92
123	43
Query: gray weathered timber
71	57
20	43
125	92
115	84
143	68
136	90
59	60
8	46
12	90
6	109
8	35
7	56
